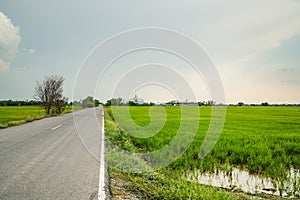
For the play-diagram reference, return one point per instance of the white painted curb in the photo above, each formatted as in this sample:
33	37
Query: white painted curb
101	190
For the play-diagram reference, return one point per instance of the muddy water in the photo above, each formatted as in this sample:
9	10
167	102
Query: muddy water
242	180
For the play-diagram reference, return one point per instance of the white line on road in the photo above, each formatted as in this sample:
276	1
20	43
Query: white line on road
56	127
101	191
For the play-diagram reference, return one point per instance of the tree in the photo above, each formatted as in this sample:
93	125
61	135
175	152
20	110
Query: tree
114	102
265	104
76	103
241	104
132	103
61	104
49	92
173	102
201	103
90	102
210	103
97	102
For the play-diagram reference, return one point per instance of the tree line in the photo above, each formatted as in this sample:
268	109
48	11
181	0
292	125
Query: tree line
48	93
19	103
121	102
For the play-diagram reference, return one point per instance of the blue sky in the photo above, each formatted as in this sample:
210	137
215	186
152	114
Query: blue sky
255	45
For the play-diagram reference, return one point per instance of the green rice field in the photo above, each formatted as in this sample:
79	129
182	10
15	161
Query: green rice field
262	140
16	115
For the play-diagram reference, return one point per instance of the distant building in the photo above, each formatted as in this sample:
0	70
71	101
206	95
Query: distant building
188	104
137	100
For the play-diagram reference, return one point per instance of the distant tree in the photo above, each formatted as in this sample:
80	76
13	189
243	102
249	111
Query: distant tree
97	102
88	102
147	104
50	92
210	103
132	103
108	102
173	102
265	104
151	104
201	103
114	102
19	103
240	104
76	103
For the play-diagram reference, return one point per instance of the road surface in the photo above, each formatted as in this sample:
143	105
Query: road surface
46	159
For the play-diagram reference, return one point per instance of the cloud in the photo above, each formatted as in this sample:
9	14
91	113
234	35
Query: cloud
287	69
245	33
31	51
9	41
242	43
292	81
4	66
27	51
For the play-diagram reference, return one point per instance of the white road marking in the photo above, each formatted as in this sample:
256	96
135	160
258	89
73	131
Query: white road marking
56	127
101	190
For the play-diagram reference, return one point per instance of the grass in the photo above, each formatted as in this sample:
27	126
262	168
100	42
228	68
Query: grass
159	186
263	140
155	185
69	109
16	115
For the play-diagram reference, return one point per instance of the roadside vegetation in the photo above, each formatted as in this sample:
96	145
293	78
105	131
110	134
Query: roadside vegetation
49	101
13	113
263	140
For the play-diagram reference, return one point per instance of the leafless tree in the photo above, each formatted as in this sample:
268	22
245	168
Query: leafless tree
49	92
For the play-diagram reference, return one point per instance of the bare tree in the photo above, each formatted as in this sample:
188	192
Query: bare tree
49	92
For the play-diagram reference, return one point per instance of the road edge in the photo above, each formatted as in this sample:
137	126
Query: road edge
104	192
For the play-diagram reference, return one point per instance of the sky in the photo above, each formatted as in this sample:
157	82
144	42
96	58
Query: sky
254	45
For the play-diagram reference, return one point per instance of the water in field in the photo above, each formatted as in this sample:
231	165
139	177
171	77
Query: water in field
242	180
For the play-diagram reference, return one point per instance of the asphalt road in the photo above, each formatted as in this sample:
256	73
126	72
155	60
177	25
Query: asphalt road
46	159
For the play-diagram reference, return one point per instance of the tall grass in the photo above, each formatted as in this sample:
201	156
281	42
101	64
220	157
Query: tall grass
155	185
263	140
16	115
